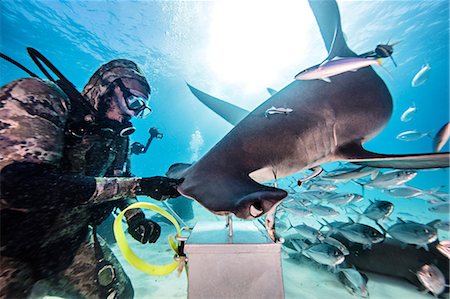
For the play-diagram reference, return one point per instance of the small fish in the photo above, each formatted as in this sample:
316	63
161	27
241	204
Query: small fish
409	113
442	225
335	66
422	76
272	110
337	244
441	137
444	248
412	135
323	211
351	174
413	233
378	210
354	282
432	278
315	185
405	192
298	210
442	208
309	233
392	178
361	234
324	254
341	199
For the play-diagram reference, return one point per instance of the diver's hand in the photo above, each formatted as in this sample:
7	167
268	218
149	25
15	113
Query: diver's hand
154	133
143	230
159	187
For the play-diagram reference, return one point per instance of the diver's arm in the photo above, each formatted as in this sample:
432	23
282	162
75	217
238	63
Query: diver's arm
24	183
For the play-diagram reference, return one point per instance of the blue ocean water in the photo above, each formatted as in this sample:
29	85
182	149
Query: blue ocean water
235	50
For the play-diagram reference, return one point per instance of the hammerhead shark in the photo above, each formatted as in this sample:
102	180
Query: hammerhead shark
328	122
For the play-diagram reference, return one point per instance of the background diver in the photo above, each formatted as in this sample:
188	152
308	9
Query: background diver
63	156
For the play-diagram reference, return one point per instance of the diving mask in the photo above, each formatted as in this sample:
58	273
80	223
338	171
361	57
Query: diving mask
135	101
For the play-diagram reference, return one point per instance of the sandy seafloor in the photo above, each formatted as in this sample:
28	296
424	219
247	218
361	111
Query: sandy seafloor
302	279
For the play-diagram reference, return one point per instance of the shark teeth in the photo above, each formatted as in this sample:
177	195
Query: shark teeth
255	212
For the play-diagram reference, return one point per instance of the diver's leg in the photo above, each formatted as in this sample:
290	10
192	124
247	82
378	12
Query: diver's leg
16	278
79	280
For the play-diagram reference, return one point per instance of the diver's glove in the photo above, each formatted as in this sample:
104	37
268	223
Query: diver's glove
159	187
143	230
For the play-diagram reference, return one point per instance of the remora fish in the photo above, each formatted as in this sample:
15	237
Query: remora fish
422	76
272	110
226	179
351	174
409	113
335	66
441	137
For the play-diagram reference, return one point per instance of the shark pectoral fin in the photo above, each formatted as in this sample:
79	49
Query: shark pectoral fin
326	80
231	113
356	154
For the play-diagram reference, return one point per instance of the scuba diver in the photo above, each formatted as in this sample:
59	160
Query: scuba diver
63	157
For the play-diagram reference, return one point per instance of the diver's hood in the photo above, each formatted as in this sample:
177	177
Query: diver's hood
99	83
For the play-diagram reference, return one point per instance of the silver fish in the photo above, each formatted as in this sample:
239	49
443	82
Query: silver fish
335	66
309	233
392	178
378	210
432	278
442	225
444	248
341	199
422	76
323	211
412	135
337	244
413	233
354	282
361	234
409	113
441	137
325	254
442	208
351	174
405	192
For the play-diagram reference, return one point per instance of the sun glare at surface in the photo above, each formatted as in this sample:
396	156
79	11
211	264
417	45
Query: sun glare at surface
260	43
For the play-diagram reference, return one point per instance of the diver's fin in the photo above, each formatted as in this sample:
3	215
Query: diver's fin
176	170
271	91
356	154
329	21
231	113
